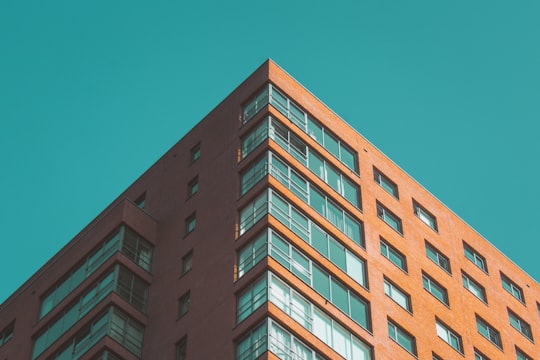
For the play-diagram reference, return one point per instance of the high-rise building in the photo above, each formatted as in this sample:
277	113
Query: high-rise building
273	230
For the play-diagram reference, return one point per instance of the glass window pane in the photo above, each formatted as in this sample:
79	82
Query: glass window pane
340	296
316	165
355	268
337	255
333	178
319	240
317	202
315	130
351	192
348	158
321	282
331	144
359	311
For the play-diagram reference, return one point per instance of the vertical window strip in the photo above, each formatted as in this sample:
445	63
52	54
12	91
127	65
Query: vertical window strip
305	122
317	322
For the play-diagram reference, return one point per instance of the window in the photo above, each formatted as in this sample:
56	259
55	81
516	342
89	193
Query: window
389	218
475	257
187	262
181	348
195	153
106	355
392	254
488	332
141	201
399	296
386	183
7	333
193	186
183	304
449	336
403	338
438	257
512	288
253	345
520	325
479	355
520	355
475	288
435	288
425	216
251	298
435	356
191	222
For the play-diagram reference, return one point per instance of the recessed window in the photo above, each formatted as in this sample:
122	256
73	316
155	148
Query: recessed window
438	257
474	287
392	254
7	333
488	331
183	304
195	153
449	336
141	201
399	296
512	288
435	289
479	355
475	257
187	262
181	349
520	325
435	356
389	218
386	183
520	355
193	186
402	337
191	223
425	216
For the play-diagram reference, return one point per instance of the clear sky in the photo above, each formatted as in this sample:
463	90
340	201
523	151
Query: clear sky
93	92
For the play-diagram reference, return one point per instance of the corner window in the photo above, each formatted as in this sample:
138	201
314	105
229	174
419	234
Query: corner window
402	337
425	216
183	304
512	288
195	153
488	331
520	325
191	223
389	218
449	336
388	185
475	257
438	257
392	254
435	289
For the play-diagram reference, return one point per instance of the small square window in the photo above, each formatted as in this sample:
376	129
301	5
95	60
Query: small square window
438	257
435	289
191	223
183	305
195	153
478	355
389	218
488	331
181	348
425	216
187	262
475	257
193	186
385	183
141	201
512	288
392	254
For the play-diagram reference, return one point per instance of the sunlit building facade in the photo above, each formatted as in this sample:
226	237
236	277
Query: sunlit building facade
273	230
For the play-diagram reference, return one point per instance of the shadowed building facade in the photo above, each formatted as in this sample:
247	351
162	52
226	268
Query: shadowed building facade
273	230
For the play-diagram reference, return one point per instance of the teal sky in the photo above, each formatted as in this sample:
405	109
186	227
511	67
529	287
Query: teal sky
93	92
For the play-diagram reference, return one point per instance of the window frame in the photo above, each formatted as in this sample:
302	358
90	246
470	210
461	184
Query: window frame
400	332
523	327
475	257
187	262
181	349
422	214
393	287
433	283
190	223
492	335
476	284
395	252
383	213
385	183
183	304
438	256
451	334
193	186
195	153
512	288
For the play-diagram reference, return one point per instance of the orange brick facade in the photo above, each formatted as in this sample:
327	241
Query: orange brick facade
192	296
